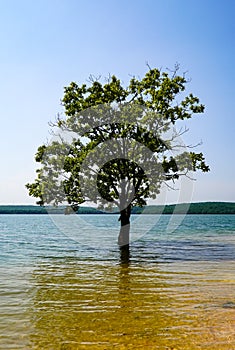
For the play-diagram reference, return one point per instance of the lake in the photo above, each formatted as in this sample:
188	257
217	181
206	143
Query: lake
66	285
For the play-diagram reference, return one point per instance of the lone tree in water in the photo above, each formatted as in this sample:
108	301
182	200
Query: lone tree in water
117	145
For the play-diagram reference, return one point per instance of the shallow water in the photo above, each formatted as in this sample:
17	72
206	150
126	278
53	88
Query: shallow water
175	290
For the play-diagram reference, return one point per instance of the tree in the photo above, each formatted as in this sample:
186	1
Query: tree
117	145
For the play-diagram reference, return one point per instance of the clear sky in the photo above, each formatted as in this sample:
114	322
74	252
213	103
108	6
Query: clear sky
45	45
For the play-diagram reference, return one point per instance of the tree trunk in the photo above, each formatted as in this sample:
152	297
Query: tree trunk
124	235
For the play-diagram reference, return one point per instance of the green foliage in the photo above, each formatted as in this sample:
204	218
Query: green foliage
132	121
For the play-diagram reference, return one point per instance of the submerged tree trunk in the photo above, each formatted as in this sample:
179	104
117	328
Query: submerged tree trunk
124	254
124	234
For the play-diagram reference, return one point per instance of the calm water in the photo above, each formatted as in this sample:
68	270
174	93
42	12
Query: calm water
176	289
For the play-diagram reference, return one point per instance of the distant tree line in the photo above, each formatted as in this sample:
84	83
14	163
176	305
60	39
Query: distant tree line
193	208
36	209
183	208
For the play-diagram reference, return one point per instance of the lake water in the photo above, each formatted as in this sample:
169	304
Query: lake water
175	289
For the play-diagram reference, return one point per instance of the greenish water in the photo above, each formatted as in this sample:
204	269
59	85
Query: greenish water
175	290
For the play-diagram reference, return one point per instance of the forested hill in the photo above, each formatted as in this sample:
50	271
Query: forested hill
36	209
193	208
190	208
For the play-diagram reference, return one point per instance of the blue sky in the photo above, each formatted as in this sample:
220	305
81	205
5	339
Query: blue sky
45	45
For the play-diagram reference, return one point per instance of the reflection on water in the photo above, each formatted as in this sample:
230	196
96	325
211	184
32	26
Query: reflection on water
130	306
99	306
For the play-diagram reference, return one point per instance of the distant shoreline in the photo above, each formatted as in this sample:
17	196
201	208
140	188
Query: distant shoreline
182	208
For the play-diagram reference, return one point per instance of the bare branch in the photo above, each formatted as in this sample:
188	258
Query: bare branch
92	78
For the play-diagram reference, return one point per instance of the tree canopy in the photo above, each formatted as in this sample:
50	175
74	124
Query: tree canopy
117	145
